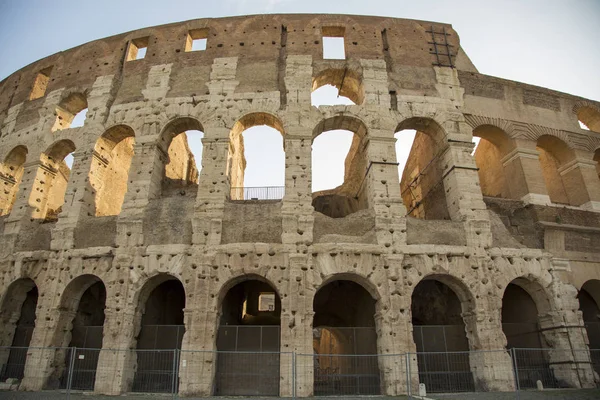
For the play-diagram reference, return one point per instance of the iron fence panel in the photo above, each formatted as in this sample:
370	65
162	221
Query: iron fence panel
257	193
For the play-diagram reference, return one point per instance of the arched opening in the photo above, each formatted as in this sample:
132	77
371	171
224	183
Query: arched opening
48	192
338	187
11	172
81	323
491	148
181	142
161	330
555	156
337	87
421	182
589	304
256	159
248	340
345	341
589	118
520	324
440	336
17	321
71	112
110	168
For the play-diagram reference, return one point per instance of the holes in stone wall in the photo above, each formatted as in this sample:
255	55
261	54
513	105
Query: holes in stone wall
421	182
256	159
196	40
40	84
11	172
492	145
137	48
181	143
48	192
111	161
589	118
337	87
338	167
71	112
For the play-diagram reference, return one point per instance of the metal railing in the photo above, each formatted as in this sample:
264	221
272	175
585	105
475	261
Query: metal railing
257	193
515	373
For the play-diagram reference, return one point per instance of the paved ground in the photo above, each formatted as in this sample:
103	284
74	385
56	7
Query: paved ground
591	394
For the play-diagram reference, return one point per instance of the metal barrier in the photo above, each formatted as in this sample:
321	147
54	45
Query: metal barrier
257	193
514	373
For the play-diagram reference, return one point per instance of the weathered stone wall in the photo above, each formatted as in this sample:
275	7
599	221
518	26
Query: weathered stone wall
261	70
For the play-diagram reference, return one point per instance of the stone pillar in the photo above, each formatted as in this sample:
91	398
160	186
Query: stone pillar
115	370
79	200
213	188
197	362
463	193
145	183
46	354
21	208
490	364
394	340
383	191
522	167
581	181
297	210
296	330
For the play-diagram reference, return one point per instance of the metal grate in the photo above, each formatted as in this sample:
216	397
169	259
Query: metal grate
441	48
257	193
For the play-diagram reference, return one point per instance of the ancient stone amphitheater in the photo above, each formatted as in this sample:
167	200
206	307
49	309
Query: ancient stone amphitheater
134	262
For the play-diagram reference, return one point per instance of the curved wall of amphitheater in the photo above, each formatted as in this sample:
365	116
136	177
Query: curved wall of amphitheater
128	239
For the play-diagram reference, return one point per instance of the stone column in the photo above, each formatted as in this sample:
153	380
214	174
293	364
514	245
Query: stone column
490	363
79	200
21	208
522	167
296	329
213	188
297	210
394	333
197	363
463	193
145	183
115	370
383	190
46	354
581	181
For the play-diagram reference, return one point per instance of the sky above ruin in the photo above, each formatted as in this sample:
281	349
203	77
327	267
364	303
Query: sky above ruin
549	43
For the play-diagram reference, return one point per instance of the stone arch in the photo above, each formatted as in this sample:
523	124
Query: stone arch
48	192
359	279
556	157
179	169
351	195
236	159
345	339
17	320
70	105
348	82
109	171
11	172
421	183
589	305
494	146
158	325
79	323
588	114
249	320
597	159
442	310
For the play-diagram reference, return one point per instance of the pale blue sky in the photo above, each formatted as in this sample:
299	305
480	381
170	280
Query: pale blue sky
550	43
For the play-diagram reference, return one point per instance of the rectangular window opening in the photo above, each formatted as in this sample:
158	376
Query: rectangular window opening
333	43
40	84
137	49
196	40
266	302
